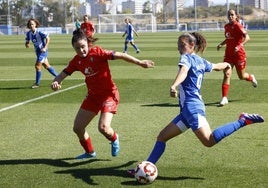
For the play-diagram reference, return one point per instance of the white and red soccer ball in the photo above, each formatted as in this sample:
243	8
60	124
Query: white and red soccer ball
146	172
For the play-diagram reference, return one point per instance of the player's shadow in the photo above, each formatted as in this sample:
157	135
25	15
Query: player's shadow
86	175
15	88
160	105
51	162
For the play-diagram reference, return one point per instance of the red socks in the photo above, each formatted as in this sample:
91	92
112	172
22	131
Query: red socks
86	144
225	90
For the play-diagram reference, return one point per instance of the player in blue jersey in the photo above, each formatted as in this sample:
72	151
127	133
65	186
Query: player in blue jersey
130	36
40	41
192	109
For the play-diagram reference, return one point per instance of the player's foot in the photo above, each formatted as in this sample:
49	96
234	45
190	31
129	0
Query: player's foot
34	86
254	81
125	52
87	155
115	146
251	118
224	101
131	172
138	51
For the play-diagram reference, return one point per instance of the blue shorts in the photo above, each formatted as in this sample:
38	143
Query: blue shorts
41	56
129	39
193	121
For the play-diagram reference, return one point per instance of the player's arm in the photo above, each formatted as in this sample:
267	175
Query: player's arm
221	44
220	66
56	83
181	75
131	59
27	44
47	42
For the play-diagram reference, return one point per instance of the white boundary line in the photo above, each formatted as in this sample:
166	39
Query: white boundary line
38	98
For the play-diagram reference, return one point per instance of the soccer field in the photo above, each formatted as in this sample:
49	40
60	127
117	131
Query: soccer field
38	146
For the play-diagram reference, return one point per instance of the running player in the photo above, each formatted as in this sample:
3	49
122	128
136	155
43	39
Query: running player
130	36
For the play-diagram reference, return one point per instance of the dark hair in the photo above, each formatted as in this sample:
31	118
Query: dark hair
198	39
237	15
36	22
78	34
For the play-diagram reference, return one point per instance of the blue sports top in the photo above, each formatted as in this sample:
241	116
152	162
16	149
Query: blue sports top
189	90
38	38
129	30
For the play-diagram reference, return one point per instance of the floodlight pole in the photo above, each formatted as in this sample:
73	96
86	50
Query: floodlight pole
177	15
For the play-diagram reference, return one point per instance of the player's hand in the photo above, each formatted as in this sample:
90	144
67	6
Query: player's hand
55	86
219	47
173	92
147	63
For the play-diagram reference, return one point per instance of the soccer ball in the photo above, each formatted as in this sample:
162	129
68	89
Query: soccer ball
145	172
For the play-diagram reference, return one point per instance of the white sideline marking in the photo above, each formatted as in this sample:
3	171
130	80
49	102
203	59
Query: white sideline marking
38	98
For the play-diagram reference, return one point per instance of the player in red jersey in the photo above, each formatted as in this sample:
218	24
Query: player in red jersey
235	39
102	96
88	27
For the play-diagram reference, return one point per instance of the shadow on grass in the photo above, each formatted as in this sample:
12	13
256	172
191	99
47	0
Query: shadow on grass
51	162
176	105
15	88
87	174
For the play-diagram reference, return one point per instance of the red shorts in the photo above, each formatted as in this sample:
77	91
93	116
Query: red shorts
105	102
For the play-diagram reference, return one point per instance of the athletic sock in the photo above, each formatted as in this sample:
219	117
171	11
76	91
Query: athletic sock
157	152
113	138
52	71
38	77
225	90
250	78
135	47
86	144
227	129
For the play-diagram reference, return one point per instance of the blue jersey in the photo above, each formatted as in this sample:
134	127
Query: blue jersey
38	38
190	98
129	31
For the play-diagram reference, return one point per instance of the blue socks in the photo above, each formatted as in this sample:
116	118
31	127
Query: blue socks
52	71
157	151
38	77
227	129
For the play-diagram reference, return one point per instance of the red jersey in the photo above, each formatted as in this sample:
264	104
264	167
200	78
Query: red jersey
88	28
95	67
234	34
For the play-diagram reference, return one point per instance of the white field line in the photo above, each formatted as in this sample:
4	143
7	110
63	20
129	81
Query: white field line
38	98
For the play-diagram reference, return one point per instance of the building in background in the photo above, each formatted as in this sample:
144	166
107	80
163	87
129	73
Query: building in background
131	6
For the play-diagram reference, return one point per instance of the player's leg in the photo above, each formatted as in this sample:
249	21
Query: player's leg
243	75
226	85
125	46
38	74
82	119
50	69
209	138
109	108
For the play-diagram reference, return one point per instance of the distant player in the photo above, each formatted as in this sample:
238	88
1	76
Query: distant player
40	41
130	31
235	38
88	27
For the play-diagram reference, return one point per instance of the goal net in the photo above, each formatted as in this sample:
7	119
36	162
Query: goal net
204	26
108	23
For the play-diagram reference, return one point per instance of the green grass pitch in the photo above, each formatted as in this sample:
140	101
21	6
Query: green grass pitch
37	145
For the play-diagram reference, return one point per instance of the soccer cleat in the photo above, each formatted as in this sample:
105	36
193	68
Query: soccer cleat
224	101
34	86
254	81
115	146
138	51
251	118
131	172
86	155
